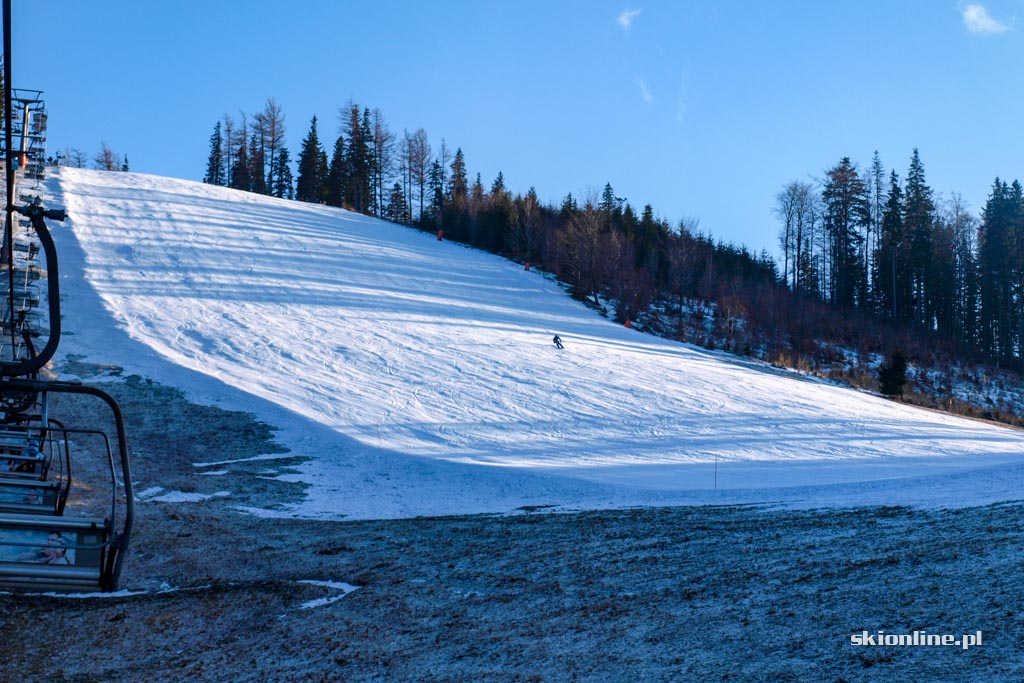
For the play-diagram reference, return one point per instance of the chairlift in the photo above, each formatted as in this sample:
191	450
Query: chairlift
44	550
55	534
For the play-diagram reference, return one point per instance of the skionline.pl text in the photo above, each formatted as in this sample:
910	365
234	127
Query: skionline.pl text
916	639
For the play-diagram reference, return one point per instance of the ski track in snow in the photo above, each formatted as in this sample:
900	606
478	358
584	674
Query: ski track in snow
419	377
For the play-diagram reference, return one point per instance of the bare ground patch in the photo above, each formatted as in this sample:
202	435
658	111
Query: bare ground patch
702	594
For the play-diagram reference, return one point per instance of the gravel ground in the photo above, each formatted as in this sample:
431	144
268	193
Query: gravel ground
671	594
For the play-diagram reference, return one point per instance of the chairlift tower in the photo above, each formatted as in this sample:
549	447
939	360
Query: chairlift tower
28	129
42	546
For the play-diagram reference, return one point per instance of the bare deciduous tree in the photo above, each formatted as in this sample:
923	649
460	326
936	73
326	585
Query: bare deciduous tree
797	206
383	154
419	164
106	159
580	244
270	129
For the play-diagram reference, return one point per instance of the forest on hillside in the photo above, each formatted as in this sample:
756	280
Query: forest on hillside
872	264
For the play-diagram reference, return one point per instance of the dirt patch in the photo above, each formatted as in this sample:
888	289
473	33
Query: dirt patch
712	593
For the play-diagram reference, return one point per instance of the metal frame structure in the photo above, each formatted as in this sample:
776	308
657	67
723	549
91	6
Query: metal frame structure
42	546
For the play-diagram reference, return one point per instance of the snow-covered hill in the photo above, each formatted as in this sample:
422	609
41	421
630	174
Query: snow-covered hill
419	377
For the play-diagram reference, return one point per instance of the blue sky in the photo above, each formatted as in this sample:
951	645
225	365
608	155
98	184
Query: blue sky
701	108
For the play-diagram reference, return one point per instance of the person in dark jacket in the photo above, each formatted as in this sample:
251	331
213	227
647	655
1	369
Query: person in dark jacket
558	342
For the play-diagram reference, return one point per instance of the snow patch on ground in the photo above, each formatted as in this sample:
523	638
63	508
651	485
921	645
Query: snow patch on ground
156	494
344	588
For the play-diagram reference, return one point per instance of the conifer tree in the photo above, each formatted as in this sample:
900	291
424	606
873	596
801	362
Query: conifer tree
498	186
965	263
892	376
257	165
435	185
337	179
942	286
648	241
999	269
283	175
568	209
241	175
370	155
309	183
459	187
918	217
476	193
215	162
322	171
241	170
847	212
359	163
893	293
229	149
876	194
397	208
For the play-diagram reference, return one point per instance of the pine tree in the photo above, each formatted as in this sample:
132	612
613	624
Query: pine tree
241	174
893	294
241	171
942	285
892	377
322	172
229	149
283	175
965	264
608	201
476	193
435	186
257	165
918	218
309	184
648	241
568	209
847	212
498	186
876	193
370	154
359	162
337	179
459	186
397	208
124	164
1001	270
215	163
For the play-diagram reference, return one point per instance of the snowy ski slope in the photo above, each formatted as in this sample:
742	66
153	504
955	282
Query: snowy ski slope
419	376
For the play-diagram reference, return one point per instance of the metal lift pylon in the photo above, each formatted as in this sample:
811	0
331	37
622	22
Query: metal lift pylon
42	546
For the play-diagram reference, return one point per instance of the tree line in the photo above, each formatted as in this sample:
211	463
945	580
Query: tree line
890	248
868	261
609	254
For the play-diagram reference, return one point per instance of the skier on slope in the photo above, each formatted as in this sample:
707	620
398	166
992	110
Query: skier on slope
558	342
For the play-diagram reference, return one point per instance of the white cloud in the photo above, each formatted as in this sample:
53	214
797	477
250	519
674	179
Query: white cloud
645	92
979	21
626	18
